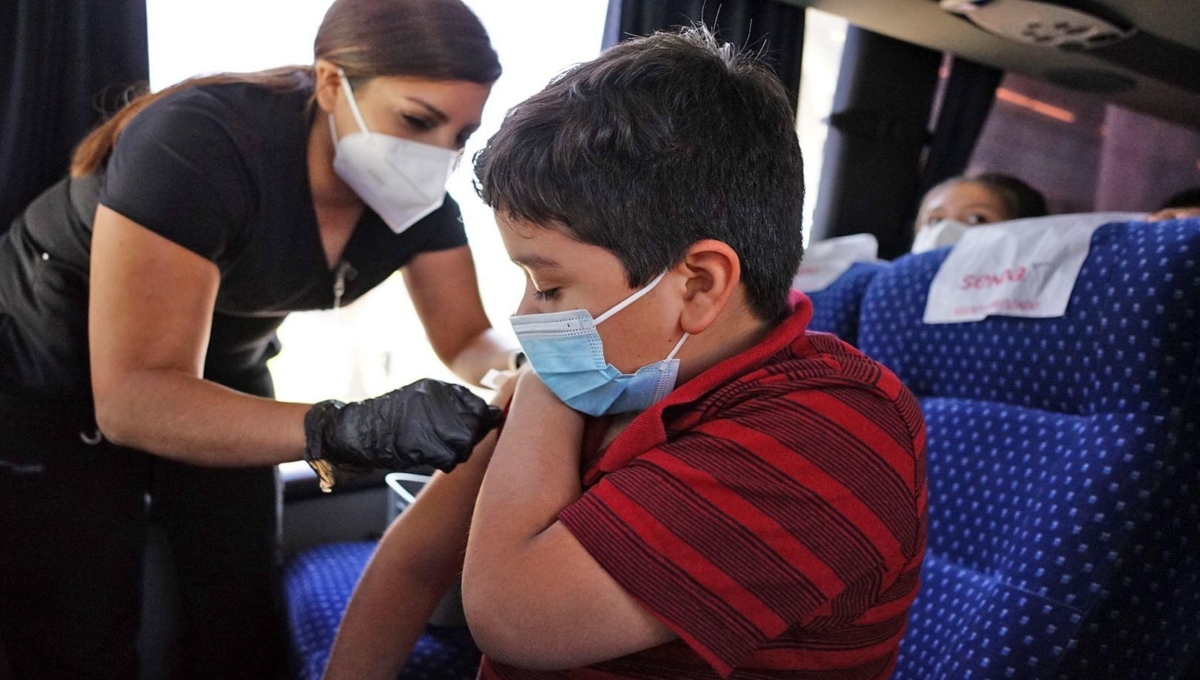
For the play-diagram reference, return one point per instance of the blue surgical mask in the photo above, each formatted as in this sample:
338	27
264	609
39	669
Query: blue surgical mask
565	350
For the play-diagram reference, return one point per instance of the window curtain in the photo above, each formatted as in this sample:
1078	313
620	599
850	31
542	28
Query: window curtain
966	101
774	27
64	64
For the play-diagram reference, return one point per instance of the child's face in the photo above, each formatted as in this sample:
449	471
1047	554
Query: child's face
970	203
563	274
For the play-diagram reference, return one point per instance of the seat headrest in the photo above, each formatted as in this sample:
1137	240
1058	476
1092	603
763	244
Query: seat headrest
1127	342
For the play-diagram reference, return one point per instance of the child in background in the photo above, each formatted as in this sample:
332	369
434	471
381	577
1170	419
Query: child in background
955	205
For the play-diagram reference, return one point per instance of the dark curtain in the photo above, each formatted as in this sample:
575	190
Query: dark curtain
772	26
878	133
966	101
63	65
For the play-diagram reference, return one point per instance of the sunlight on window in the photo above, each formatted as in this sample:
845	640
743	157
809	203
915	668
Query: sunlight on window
214	36
824	38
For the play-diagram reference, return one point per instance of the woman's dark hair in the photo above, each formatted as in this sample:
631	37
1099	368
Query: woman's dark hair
1188	198
658	143
431	39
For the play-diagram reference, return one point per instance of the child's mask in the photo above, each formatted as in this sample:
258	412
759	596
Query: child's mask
937	235
565	350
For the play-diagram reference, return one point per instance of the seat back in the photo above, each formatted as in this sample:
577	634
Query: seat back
1064	496
836	308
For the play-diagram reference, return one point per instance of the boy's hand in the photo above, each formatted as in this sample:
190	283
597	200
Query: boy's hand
532	394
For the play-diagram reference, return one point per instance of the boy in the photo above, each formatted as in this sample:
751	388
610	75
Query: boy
688	484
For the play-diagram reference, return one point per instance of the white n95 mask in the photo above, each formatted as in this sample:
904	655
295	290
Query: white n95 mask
401	180
939	234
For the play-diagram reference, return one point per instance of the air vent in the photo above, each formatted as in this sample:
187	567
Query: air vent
1040	23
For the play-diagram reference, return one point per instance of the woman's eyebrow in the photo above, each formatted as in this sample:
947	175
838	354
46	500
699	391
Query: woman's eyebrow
438	114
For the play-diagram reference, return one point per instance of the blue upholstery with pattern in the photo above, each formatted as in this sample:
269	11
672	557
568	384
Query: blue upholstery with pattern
318	584
836	308
1064	490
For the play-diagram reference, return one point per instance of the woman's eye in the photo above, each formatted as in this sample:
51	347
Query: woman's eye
545	295
420	123
975	218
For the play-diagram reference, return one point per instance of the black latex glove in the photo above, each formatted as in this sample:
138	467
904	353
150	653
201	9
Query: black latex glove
429	422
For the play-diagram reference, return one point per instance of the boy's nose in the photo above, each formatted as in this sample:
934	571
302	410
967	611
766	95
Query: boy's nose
525	307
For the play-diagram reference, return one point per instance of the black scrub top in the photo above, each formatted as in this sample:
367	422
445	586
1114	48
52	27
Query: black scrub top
221	170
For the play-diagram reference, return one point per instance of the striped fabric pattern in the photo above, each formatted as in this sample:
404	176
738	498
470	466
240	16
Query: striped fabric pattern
771	512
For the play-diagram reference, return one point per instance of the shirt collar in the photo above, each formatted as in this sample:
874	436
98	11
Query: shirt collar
649	430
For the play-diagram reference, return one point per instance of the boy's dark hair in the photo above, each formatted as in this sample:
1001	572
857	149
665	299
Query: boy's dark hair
658	143
1188	198
1021	199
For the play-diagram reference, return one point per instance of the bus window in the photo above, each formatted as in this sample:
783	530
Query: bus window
824	38
1091	155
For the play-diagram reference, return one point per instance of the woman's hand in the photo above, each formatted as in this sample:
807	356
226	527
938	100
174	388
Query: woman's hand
426	423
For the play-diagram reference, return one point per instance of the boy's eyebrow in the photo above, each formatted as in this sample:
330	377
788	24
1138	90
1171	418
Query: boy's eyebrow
535	262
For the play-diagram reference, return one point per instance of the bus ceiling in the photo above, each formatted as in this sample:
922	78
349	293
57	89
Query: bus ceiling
881	154
1149	60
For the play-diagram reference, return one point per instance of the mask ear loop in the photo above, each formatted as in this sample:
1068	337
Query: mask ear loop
677	346
358	117
629	300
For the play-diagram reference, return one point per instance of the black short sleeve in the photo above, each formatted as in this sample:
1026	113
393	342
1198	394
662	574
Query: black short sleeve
178	171
441	229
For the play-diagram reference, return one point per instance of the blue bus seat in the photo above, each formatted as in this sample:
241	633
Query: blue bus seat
836	308
318	584
1064	494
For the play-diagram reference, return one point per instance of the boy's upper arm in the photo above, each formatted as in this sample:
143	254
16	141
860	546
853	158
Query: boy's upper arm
749	525
561	609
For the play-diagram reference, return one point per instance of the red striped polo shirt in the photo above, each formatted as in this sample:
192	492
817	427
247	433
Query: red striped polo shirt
771	512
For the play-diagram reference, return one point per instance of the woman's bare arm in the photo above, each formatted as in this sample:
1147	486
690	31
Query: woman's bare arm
445	293
149	318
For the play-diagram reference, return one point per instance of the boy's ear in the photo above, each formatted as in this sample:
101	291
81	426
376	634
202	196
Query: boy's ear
714	275
327	85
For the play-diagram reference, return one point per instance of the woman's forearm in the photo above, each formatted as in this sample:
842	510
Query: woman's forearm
488	350
179	416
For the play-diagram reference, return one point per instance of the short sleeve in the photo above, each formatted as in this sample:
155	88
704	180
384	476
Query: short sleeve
795	512
177	170
441	229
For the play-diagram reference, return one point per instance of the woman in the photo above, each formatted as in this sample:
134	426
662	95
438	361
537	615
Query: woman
138	304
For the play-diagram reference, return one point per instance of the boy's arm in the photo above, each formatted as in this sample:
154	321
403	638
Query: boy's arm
416	562
533	595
